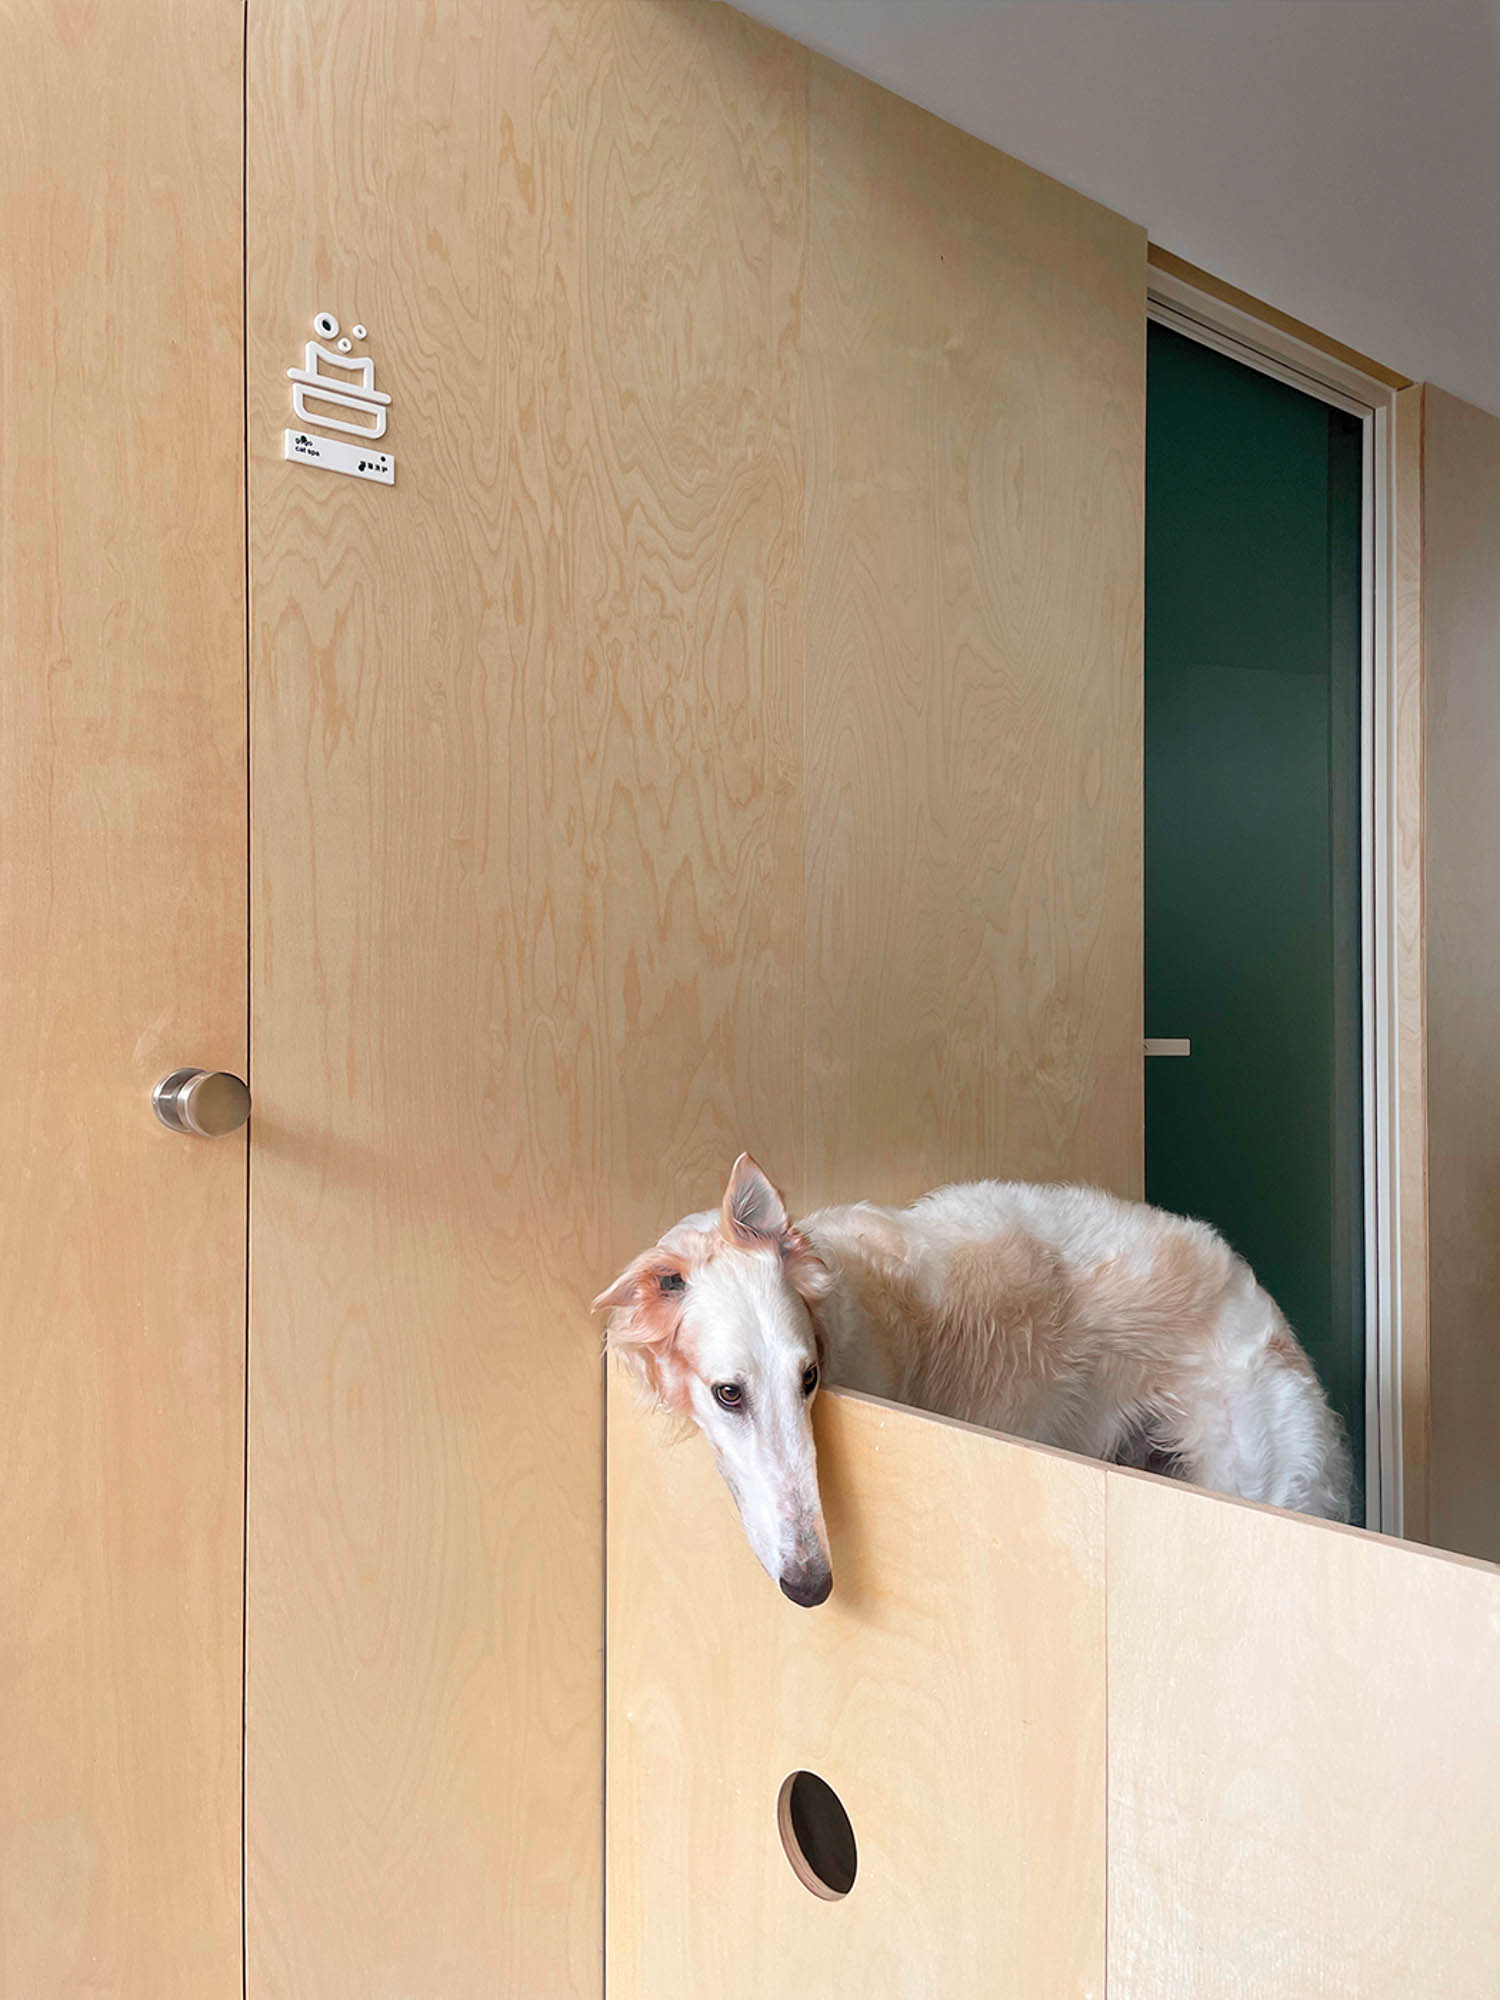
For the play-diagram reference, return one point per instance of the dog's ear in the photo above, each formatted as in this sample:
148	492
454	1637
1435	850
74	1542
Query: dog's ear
645	1315
753	1212
645	1302
624	1289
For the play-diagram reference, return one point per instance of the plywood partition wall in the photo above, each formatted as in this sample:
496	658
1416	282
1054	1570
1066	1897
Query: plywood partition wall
1462	604
725	732
1408	866
974	362
952	1692
1304	1757
1284	1735
122	956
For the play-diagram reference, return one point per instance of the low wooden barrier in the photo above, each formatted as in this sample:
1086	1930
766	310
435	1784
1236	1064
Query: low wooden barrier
1095	1733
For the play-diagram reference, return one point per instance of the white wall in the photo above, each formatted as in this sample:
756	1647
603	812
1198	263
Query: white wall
1338	158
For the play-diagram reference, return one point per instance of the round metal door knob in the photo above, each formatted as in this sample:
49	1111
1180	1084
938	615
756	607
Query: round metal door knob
205	1103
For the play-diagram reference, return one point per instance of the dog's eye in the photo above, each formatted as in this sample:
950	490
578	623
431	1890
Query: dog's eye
672	1281
729	1395
809	1379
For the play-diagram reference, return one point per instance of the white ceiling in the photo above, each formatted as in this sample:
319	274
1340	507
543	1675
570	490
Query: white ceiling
1338	158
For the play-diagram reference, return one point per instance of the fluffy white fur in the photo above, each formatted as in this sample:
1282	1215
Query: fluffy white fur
1054	1313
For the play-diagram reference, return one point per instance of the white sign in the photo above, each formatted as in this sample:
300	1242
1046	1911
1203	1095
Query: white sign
334	390
338	455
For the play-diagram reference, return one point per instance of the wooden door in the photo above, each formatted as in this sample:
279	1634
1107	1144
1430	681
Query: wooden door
550	920
526	870
122	910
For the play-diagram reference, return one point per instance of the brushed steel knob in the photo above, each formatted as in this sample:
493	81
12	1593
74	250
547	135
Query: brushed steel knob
205	1103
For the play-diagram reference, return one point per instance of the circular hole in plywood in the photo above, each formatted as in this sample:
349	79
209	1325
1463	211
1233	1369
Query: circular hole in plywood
817	1836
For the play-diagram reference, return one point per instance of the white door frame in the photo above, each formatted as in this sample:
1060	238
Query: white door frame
1176	303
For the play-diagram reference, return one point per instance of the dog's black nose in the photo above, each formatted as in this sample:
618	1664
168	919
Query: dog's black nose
807	1587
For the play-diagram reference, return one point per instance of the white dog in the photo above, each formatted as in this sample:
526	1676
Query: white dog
1054	1313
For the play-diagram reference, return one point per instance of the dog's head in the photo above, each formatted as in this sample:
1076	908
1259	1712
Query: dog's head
719	1321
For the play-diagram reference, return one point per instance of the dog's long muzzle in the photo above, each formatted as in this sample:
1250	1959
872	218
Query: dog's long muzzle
808	1578
808	1584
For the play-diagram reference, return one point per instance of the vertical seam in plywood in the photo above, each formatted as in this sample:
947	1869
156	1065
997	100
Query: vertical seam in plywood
804	473
249	1001
605	1683
1108	1787
1424	1190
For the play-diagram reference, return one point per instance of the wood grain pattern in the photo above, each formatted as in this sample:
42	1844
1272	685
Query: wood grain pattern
1461	579
951	1692
122	909
1304	1758
1409	857
527	870
975	361
534	854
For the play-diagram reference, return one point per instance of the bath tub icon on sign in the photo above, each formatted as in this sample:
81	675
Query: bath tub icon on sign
334	390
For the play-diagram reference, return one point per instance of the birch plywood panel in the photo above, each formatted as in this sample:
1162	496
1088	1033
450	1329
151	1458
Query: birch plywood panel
951	1691
975	366
1461	600
527	867
122	915
1304	1758
1408	864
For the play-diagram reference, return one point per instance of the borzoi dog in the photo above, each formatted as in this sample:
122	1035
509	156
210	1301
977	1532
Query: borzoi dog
1055	1313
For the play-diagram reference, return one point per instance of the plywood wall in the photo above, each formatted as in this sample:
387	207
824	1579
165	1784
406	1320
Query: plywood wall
1304	1757
1409	1052
974	364
528	916
1096	1733
122	956
726	732
1462	640
951	1692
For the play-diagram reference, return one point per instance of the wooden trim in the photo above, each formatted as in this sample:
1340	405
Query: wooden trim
1246	302
1460	599
1411	1025
1411	945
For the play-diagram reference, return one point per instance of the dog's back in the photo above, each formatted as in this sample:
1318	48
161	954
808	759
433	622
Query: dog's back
1065	1315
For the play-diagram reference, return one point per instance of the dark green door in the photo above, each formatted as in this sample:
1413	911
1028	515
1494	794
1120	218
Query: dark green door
1253	578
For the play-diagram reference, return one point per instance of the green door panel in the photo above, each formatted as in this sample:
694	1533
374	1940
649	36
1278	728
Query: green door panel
1253	562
